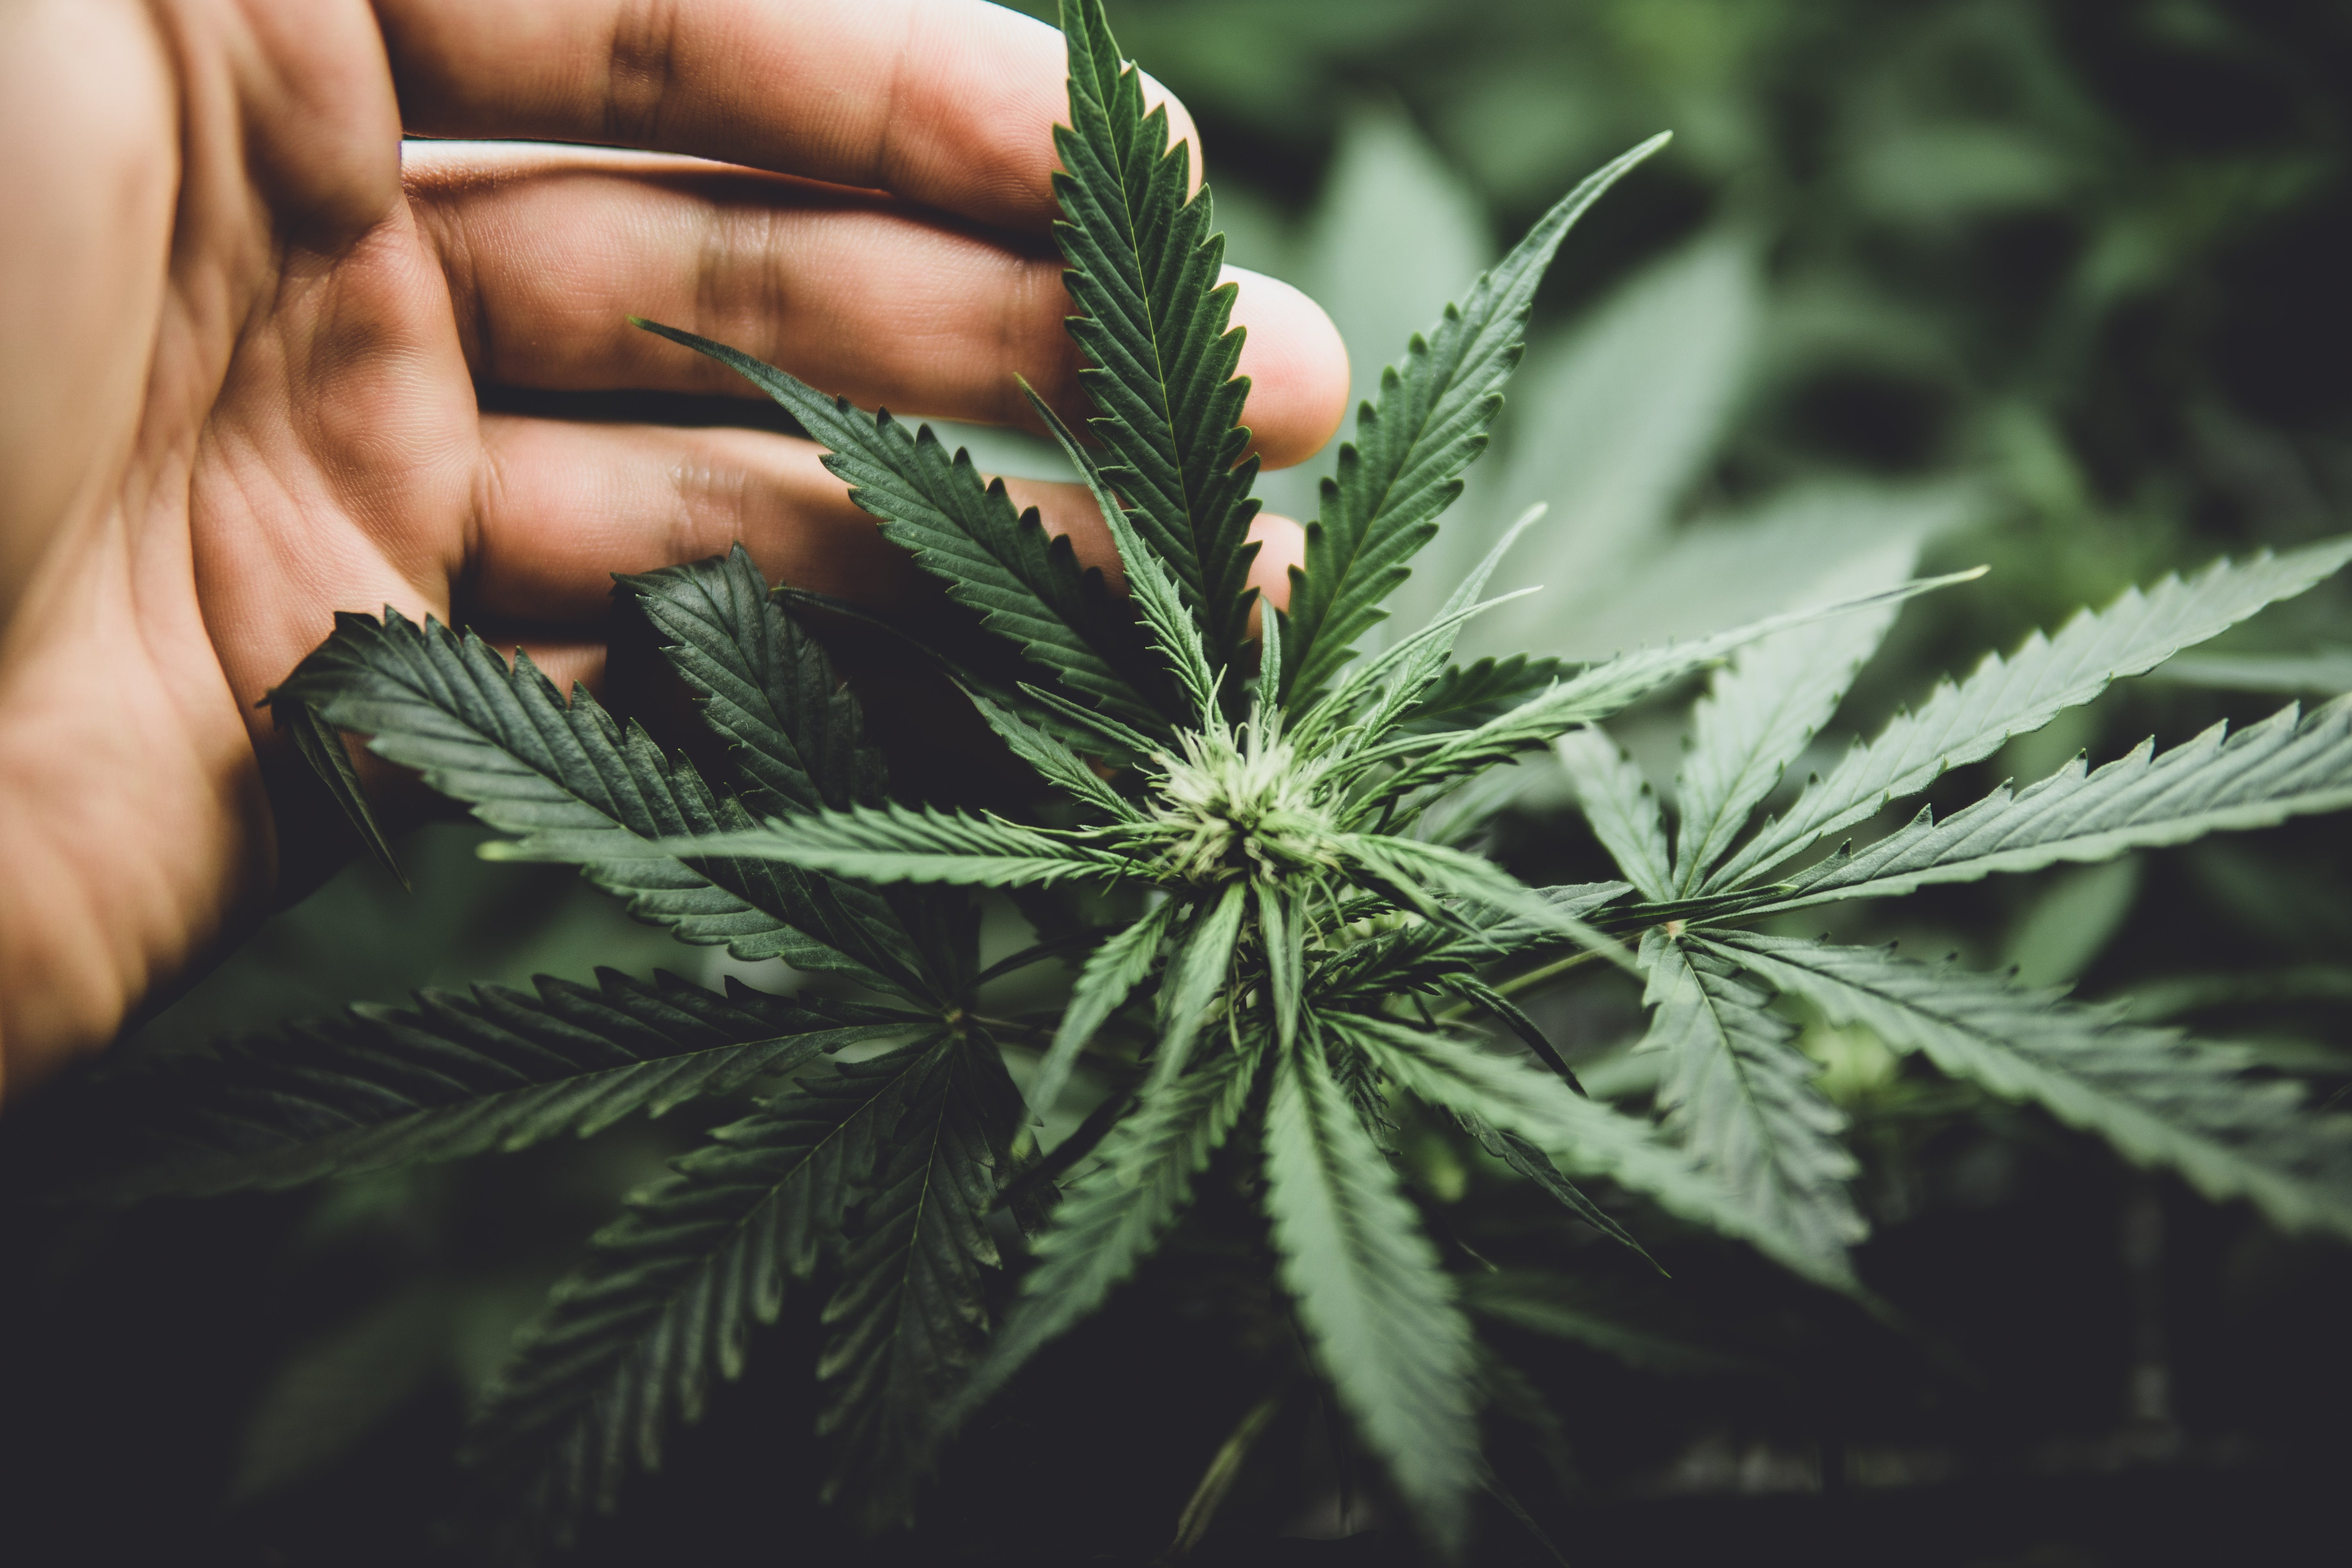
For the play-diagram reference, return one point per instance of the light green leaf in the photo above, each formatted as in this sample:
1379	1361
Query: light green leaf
1605	689
2278	769
2327	672
2159	1099
1741	1098
2008	697
1585	1137
1405	467
2069	922
1112	970
1282	930
1813	543
1615	421
1757	716
1379	1310
896	843
1394	232
1198	973
1620	806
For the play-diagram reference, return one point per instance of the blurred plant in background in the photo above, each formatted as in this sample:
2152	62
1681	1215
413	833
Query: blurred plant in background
2054	285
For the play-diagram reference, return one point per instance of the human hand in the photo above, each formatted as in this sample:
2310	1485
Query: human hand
246	327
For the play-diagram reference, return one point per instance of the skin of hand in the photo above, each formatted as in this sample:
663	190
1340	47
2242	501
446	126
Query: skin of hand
246	323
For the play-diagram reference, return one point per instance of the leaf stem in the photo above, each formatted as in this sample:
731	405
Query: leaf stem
1068	1151
1534	977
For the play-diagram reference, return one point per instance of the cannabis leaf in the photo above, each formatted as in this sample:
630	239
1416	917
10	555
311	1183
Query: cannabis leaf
2008	697
762	683
1115	1212
1143	268
1740	1096
456	1074
1370	1291
1405	465
2285	766
1602	689
1622	809
587	792
1758	714
629	1343
1583	1136
910	1314
1026	586
896	843
2158	1097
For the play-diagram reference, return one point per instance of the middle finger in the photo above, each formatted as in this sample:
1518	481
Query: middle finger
548	252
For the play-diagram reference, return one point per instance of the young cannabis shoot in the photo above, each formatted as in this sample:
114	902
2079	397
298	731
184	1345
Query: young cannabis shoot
1300	935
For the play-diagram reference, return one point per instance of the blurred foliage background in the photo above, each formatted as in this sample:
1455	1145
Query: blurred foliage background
2058	287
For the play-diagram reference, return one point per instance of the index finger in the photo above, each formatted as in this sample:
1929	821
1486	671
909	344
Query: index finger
944	102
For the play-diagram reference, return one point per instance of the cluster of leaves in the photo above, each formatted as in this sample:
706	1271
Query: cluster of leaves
1285	828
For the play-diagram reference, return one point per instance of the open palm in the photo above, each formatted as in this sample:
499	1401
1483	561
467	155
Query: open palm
248	323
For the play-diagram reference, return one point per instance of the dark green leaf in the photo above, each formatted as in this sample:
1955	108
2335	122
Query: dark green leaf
901	844
1143	269
1026	586
911	1316
322	746
587	792
762	683
1117	1210
458	1074
626	1346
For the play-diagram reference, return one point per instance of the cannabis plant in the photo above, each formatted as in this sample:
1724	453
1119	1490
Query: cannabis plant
1259	856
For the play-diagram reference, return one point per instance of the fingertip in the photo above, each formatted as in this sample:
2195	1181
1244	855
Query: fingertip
1297	369
1180	126
1281	545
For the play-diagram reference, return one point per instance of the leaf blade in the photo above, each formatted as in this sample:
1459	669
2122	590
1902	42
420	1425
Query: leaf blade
1115	1211
1405	467
2158	1097
455	1074
1622	809
1025	587
2215	782
1960	723
1742	1100
628	1344
1369	1289
1143	269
